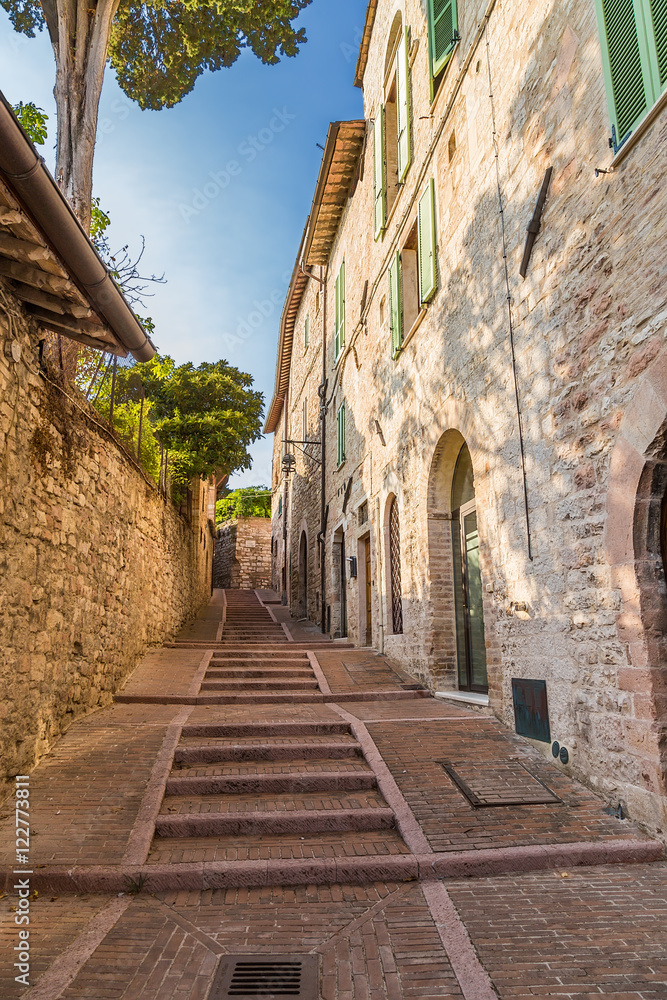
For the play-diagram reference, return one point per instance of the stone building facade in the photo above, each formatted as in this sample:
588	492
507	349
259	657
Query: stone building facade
243	554
492	402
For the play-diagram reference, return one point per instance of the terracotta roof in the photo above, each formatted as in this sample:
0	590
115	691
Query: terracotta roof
371	11
342	150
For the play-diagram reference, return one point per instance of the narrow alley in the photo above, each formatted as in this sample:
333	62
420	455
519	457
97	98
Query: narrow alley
263	812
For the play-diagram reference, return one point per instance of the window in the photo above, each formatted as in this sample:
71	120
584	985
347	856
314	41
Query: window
340	430
442	33
412	272
280	506
395	568
340	311
306	333
634	56
391	134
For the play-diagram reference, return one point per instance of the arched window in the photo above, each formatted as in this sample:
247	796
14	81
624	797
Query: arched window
395	568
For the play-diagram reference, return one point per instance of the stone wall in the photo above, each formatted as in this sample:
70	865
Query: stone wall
243	554
95	566
586	608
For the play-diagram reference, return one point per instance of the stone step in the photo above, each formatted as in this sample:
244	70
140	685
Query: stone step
261	730
281	657
294	783
259	768
261	698
214	752
260	673
282	803
267	823
256	684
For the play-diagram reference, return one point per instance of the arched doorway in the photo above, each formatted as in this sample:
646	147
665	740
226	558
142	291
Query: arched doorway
303	575
468	600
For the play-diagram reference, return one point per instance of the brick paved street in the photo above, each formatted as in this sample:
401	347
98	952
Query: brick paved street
251	792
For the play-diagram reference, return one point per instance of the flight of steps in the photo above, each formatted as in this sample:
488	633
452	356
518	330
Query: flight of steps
239	791
248	621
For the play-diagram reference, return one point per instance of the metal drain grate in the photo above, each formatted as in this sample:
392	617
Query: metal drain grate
246	977
491	784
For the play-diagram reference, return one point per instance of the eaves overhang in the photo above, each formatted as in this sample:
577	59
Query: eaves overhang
49	261
343	148
362	59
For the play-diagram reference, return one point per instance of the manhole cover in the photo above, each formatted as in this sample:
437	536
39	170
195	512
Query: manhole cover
248	976
507	784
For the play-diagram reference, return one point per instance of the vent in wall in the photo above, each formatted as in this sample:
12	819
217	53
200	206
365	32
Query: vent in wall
247	977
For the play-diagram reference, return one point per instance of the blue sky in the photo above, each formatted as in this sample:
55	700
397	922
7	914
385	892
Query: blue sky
226	239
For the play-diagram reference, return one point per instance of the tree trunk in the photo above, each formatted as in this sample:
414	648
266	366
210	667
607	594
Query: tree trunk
79	31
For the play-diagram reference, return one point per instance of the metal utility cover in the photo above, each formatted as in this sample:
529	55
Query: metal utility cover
531	709
247	977
491	784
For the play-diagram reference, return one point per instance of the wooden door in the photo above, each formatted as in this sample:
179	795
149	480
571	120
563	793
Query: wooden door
369	592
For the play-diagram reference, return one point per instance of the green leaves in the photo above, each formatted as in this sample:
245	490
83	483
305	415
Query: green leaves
25	15
210	414
249	501
159	48
33	120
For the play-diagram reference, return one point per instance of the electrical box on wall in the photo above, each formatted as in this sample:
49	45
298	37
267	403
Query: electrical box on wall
531	709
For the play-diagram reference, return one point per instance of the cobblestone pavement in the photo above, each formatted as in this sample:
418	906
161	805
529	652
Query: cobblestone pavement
256	792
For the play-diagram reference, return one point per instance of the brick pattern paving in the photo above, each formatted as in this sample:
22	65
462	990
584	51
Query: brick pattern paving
85	795
55	923
358	669
596	932
450	822
167	672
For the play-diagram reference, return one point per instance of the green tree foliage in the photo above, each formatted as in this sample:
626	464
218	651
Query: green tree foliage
207	417
34	121
249	501
157	48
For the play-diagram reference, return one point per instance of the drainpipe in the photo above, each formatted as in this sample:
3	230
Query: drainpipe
285	440
322	393
380	577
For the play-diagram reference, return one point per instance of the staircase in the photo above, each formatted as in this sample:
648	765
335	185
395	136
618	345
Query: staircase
286	789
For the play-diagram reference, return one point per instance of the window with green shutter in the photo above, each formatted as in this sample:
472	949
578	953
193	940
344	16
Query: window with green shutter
395	308
426	233
403	105
340	312
340	428
379	173
442	32
634	54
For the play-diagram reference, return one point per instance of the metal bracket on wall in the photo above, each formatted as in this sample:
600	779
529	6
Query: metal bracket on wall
535	223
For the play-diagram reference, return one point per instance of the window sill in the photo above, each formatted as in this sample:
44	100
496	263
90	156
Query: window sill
466	697
641	129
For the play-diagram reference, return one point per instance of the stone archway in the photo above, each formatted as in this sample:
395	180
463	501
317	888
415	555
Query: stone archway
634	541
458	649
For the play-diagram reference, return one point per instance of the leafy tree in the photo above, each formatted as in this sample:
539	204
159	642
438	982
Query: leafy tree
34	121
157	48
207	416
248	501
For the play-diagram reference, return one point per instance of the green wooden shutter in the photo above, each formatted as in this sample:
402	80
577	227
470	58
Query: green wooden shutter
340	427
659	22
443	31
403	105
395	309
340	310
626	65
380	173
427	268
306	332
